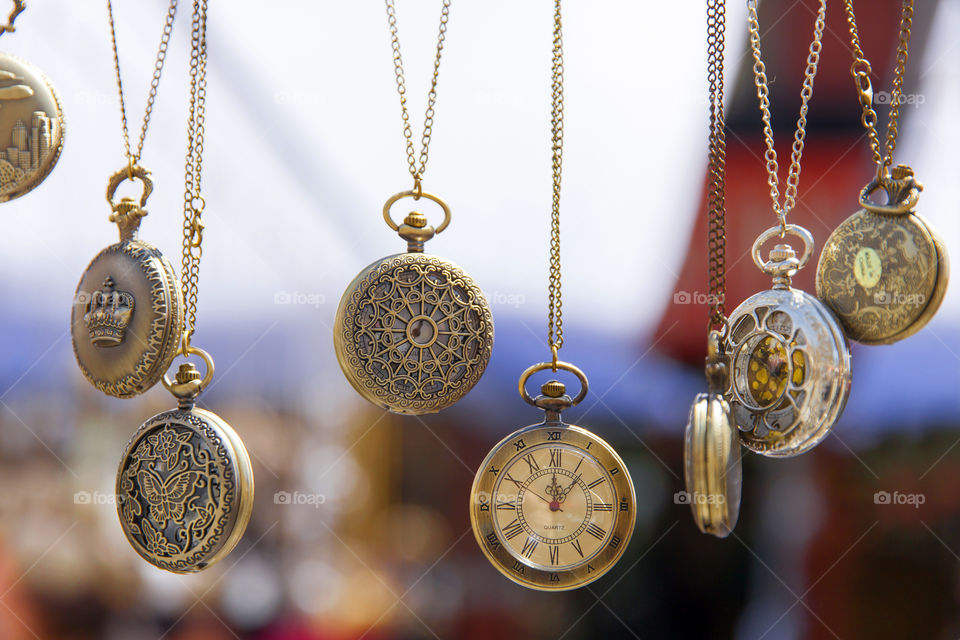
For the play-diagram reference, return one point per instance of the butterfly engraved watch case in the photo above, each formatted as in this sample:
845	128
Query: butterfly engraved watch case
790	364
884	270
413	332
31	122
128	310
552	505
185	482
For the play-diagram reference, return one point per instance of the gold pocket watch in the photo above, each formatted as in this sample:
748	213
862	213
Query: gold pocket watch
185	482
790	375
553	505
128	310
711	452
413	332
884	270
31	122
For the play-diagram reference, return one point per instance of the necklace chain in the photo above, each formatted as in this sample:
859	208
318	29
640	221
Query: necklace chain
555	313
134	158
415	171
860	69
763	93
716	194
193	201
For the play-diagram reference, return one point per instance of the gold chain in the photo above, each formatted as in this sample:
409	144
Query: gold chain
860	69
555	313
134	158
716	191
193	202
19	6
415	172
763	93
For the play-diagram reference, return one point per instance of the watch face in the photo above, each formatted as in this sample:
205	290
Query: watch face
553	507
413	333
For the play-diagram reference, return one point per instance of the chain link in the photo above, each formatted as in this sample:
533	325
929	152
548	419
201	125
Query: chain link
763	94
860	70
134	158
555	313
193	202
415	171
716	191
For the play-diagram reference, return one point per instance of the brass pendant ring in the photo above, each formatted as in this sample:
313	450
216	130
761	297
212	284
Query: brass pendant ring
416	196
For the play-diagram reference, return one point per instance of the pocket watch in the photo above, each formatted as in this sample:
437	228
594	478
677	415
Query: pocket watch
31	122
413	332
711	452
884	270
790	362
185	482
553	505
127	314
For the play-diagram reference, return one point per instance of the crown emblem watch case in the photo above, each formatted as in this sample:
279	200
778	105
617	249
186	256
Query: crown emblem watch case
884	270
790	365
413	331
128	310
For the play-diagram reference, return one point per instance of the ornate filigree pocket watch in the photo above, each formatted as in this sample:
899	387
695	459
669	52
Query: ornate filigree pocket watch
413	332
711	452
552	506
128	310
884	270
185	482
31	122
790	363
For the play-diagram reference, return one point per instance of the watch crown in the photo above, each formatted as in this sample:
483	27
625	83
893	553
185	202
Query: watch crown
416	220
901	171
553	388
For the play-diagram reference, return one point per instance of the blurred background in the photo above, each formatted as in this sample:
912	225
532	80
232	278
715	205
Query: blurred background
303	145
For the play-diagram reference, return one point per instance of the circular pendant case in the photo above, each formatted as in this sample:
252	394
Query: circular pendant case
31	123
128	310
553	506
185	483
413	332
711	452
789	358
884	270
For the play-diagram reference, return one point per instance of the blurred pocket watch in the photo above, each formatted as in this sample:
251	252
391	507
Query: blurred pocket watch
31	122
413	332
553	505
884	270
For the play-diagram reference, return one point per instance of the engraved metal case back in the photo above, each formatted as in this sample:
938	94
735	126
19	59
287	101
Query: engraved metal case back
790	365
884	270
185	490
413	332
31	127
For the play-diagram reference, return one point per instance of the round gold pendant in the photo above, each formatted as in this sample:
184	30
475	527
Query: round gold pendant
553	505
884	270
185	490
31	121
413	332
789	358
711	452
